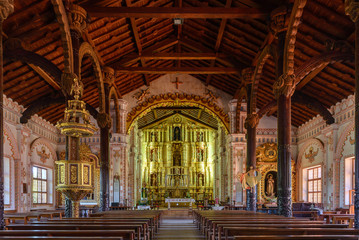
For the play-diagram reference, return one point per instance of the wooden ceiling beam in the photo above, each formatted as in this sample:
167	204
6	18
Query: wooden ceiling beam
219	39
177	12
138	42
183	70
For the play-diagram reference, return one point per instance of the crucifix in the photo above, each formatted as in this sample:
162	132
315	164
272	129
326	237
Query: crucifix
177	82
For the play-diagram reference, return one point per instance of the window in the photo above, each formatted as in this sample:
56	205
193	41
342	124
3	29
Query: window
315	184
6	181
39	185
349	178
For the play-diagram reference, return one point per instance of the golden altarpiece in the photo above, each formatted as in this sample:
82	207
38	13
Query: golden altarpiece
266	157
177	159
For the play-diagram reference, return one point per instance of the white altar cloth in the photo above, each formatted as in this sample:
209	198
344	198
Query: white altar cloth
178	200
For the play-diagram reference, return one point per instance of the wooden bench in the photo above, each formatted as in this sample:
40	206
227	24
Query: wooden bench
236	231
131	227
222	228
124	234
298	237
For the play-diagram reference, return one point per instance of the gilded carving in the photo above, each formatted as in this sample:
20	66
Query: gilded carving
62	174
285	85
141	95
211	96
177	99
67	80
86	176
352	9
267	152
73	173
252	121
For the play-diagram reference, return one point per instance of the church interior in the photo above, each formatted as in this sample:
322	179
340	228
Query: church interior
172	114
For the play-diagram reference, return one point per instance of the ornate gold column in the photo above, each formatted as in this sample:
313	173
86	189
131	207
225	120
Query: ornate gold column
352	9
6	8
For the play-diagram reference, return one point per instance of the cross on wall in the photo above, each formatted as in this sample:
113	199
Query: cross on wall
177	82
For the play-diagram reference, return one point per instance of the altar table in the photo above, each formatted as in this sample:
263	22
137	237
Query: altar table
179	200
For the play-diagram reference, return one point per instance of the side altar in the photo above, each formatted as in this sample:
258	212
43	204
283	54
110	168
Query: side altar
179	200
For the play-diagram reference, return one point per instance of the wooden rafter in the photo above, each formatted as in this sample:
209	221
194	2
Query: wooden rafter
184	70
177	12
138	41
219	40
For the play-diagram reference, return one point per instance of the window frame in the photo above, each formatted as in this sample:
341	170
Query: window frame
317	180
42	180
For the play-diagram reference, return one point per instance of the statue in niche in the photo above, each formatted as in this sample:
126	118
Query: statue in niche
199	136
176	155
200	153
177	134
201	179
153	179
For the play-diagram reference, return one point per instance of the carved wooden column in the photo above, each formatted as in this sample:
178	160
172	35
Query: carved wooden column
283	90
6	8
104	122
352	9
250	124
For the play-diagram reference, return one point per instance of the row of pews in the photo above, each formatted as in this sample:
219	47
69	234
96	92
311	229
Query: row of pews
246	225
119	225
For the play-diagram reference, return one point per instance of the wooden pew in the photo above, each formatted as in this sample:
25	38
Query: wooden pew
222	227
70	233
298	237
236	231
58	238
131	230
141	227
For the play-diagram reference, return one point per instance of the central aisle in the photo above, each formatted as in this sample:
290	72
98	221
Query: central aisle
176	225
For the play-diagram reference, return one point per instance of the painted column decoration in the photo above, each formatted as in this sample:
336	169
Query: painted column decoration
251	124
6	8
352	9
104	122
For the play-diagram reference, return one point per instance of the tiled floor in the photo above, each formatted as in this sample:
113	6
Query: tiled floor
178	229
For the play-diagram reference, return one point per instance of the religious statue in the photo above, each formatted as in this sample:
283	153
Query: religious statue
251	178
311	155
153	179
77	89
270	186
200	179
177	134
144	192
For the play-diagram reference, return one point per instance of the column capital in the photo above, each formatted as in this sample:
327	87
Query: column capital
6	8
104	120
77	19
284	85
279	19
108	75
247	74
252	121
352	9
